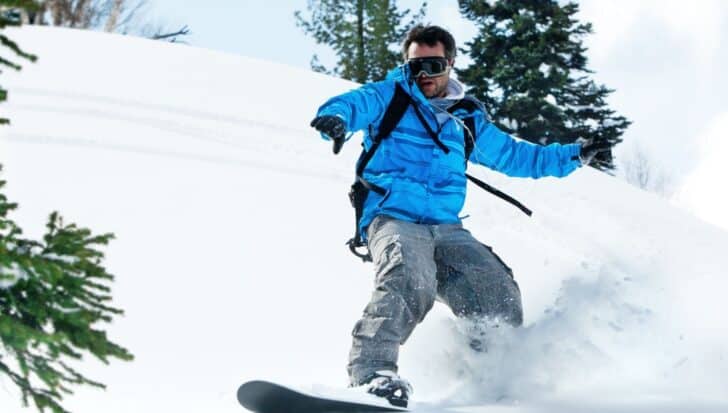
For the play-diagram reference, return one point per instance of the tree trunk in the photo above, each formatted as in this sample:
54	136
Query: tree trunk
37	16
79	15
56	9
361	72
114	14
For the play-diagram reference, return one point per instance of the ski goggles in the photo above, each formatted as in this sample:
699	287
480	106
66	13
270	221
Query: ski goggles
429	66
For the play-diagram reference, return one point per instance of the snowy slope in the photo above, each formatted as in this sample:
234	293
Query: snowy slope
231	214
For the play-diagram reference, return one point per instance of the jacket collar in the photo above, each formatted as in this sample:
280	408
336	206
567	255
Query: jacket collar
455	90
400	74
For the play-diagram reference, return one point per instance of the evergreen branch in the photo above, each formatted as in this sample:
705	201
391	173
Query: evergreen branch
5	41
8	63
184	31
53	312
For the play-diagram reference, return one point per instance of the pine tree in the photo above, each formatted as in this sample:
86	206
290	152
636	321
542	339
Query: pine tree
54	293
53	296
365	35
530	69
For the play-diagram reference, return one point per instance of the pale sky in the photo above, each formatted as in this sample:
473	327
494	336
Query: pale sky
663	58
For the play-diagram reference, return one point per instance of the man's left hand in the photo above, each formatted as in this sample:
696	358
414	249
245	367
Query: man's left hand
590	149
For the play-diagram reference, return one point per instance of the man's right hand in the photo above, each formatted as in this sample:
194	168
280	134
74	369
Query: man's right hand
333	127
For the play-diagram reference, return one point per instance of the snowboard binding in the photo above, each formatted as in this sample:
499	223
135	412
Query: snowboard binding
389	385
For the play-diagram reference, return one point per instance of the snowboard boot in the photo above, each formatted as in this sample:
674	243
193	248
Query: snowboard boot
387	384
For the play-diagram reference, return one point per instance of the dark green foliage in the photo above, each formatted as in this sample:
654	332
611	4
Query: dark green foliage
10	17
53	295
530	69
365	35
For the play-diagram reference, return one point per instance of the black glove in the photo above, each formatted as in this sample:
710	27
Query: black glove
333	127
590	149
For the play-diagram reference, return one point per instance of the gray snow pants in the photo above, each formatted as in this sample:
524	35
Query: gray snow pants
415	264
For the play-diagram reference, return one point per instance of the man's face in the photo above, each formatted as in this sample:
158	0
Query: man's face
430	86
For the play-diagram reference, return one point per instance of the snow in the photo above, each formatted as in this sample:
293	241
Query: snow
703	190
10	275
545	69
230	217
62	258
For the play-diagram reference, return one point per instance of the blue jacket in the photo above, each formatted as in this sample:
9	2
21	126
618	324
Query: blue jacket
424	184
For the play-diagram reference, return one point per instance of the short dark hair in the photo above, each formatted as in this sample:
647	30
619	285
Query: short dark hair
430	35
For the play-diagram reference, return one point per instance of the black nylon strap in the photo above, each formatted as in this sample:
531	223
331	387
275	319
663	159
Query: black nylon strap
500	194
370	186
469	105
393	114
469	136
364	159
357	196
429	130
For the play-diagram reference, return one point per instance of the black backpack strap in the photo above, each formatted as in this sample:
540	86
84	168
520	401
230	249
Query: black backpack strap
357	195
469	137
471	104
430	131
500	194
392	115
360	190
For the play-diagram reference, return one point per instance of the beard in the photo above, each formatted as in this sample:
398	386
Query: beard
431	87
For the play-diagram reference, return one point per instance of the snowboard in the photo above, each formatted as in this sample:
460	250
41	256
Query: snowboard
267	397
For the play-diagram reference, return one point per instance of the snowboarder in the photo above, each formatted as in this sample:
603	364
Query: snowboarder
413	181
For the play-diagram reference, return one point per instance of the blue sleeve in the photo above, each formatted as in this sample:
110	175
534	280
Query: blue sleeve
360	107
501	152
